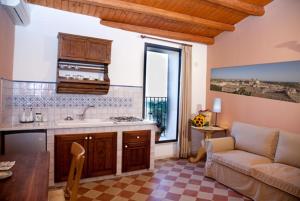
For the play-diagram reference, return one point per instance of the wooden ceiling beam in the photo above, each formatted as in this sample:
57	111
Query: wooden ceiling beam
159	32
241	6
157	12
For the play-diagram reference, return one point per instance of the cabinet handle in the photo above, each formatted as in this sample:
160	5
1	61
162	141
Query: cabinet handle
86	138
90	138
138	137
126	146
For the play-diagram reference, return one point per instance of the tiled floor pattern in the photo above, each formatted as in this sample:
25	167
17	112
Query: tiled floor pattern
171	180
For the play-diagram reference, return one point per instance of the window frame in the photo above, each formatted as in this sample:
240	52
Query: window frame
179	50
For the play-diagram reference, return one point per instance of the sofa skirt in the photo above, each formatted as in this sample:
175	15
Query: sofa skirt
247	185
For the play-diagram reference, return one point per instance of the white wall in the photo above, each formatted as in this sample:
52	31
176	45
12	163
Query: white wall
35	52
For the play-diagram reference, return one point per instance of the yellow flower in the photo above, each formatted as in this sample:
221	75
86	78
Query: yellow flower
199	120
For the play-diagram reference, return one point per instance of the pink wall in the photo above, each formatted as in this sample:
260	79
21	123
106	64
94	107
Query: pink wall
274	37
7	40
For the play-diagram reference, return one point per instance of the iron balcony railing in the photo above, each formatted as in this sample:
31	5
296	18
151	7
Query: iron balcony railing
156	109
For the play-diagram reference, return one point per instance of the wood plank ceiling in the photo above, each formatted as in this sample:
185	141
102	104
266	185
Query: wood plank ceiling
189	20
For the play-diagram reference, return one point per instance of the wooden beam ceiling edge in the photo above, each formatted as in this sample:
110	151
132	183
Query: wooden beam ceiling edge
241	6
157	12
159	32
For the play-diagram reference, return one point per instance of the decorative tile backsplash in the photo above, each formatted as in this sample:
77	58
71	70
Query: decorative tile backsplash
67	101
42	97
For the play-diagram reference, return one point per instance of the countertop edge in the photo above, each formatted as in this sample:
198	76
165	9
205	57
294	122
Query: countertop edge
36	126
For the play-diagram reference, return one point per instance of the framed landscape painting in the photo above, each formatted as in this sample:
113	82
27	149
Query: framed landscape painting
279	81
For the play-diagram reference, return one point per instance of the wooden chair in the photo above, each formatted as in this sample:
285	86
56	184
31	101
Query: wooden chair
71	189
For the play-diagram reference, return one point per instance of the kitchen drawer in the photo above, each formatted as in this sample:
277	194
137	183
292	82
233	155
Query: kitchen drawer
136	136
136	144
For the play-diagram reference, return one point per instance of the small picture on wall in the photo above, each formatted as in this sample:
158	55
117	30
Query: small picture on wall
279	81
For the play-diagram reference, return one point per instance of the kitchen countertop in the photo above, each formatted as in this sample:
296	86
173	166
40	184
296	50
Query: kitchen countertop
66	125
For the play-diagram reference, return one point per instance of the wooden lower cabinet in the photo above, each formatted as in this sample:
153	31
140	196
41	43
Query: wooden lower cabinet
100	157
102	154
136	150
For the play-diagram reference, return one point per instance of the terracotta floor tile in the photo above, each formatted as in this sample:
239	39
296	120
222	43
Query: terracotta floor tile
163	187
132	188
82	190
220	198
206	189
120	185
126	180
105	197
139	197
151	198
101	188
162	171
113	191
117	198
108	182
176	169
154	180
150	185
138	183
82	198
194	181
173	196
172	178
89	185
146	191
144	178
180	184
191	193
92	194
187	198
185	175
126	194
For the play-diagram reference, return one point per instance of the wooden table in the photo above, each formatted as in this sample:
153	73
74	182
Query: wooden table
208	131
29	181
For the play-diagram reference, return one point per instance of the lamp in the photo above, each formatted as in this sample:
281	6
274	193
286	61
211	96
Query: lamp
217	107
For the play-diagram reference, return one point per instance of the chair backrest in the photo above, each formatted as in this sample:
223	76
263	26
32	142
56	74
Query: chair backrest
71	189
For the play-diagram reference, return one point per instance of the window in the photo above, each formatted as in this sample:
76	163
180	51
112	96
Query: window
161	89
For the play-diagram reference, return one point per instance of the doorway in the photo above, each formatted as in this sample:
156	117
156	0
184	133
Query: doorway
161	89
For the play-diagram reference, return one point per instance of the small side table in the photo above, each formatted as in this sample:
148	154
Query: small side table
208	131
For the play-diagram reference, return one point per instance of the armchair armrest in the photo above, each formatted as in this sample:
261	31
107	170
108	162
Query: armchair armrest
216	145
219	144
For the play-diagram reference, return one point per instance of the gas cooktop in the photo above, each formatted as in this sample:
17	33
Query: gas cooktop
125	119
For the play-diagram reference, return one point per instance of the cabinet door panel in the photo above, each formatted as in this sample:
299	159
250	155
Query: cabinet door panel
63	156
102	154
136	151
72	48
135	158
98	51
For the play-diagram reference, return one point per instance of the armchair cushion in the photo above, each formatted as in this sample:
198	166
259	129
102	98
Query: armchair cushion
281	176
288	149
255	139
238	160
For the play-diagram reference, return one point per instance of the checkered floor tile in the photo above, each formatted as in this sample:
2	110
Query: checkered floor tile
171	180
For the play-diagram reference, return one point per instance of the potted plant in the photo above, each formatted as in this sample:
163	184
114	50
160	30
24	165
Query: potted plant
158	113
161	129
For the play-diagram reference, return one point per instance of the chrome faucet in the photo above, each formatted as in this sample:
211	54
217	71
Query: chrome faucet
82	116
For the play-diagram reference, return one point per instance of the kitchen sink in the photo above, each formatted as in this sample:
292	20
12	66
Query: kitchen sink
102	122
85	122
